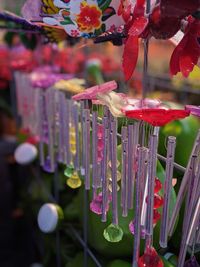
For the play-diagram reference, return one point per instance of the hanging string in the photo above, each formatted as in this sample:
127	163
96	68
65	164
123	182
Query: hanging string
146	48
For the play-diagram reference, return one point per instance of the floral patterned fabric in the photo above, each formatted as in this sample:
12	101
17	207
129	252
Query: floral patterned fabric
86	18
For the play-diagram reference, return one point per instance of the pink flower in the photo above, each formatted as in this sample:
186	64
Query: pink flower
194	110
112	28
74	33
92	92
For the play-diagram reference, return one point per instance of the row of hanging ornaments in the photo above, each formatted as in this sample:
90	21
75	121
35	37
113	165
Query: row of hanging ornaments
82	134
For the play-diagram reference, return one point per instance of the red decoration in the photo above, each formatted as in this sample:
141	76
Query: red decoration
156	216
158	185
124	11
158	201
157	116
5	73
163	23
134	28
34	140
130	56
187	52
150	259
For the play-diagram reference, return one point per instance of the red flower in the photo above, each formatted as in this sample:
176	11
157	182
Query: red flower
157	116
89	18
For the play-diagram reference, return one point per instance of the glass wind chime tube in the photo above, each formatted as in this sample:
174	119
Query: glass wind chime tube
144	194
104	166
181	193
67	131
75	117
82	164
113	159
61	103
151	184
133	140
94	152
130	165
40	128
167	190
137	221
50	109
86	146
113	233
124	182
192	189
56	127
194	200
188	210
194	225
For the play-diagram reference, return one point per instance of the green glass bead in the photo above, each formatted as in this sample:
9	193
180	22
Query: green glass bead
113	233
69	171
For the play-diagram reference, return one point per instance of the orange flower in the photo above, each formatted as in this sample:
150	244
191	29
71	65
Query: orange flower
89	18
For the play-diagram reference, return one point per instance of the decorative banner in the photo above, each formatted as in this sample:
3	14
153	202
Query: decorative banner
86	18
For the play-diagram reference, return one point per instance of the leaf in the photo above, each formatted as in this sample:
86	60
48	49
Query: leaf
104	4
108	13
103	27
130	56
66	21
98	32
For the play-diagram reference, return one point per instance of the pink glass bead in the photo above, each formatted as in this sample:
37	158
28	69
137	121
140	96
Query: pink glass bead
150	259
96	204
132	229
99	156
100	131
158	185
100	145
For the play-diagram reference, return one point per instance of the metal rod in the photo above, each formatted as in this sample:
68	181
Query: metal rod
176	165
81	241
85	228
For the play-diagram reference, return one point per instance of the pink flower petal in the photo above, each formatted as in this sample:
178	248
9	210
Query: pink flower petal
91	93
